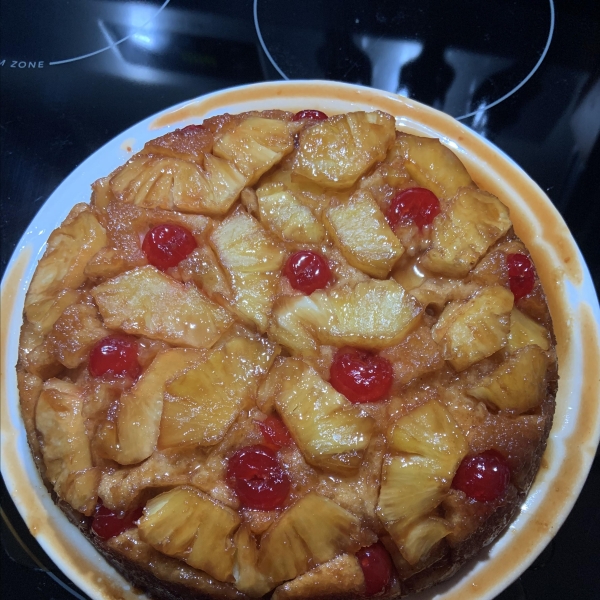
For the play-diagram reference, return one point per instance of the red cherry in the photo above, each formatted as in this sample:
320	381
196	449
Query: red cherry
483	477
257	478
376	565
307	271
275	433
193	128
107	523
167	245
521	275
116	356
313	115
415	205
361	376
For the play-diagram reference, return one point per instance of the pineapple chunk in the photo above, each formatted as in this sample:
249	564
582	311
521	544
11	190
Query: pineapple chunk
432	165
214	551
518	384
474	329
146	302
411	486
256	144
253	260
416	481
525	332
202	403
372	315
173	184
287	217
329	430
203	268
75	333
430	431
463	233
189	143
416	539
337	578
43	315
248	579
140	409
363	235
226	182
336	152
65	446
311	532
187	524
69	249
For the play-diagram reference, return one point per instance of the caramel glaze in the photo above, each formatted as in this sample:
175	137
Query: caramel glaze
556	258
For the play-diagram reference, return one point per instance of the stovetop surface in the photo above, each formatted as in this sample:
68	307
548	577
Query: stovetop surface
525	75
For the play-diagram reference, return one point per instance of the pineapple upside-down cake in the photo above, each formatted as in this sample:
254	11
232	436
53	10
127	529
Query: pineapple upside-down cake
290	355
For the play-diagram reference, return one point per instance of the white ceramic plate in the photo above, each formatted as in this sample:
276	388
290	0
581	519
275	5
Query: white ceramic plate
565	277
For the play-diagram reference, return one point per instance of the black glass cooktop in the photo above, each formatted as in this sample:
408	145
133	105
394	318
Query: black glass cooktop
524	74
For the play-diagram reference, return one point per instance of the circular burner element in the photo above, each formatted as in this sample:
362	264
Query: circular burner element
461	57
58	32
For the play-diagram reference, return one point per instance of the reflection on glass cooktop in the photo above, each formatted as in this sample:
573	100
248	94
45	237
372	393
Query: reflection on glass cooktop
525	75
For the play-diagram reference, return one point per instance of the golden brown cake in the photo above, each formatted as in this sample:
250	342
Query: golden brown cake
290	355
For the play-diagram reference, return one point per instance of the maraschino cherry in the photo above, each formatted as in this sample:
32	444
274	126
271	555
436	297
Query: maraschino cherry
276	435
376	565
167	245
307	271
257	478
312	115
483	477
521	275
415	205
361	376
116	356
108	523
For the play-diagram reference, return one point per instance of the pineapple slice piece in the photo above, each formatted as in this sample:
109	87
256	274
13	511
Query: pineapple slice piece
189	143
337	578
202	403
525	332
416	539
256	144
287	217
518	384
432	165
145	301
372	315
171	519
213	550
68	250
43	315
311	532
140	409
430	431
203	268
336	152
248	579
416	481
411	486
463	233
173	184
187	524
329	430
253	260
471	330
65	445
75	333
363	235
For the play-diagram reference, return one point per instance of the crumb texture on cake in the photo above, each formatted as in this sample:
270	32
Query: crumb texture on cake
226	346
